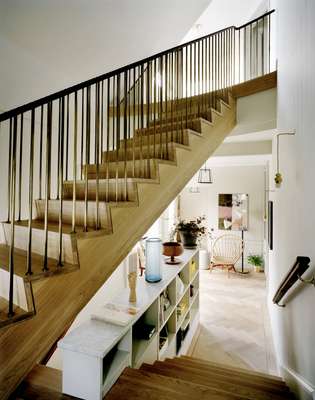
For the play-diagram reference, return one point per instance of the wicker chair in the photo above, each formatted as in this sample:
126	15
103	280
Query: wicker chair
226	251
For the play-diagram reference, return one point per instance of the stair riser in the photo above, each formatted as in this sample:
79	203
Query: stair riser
147	152
53	213
169	127
164	137
145	169
109	192
69	252
19	294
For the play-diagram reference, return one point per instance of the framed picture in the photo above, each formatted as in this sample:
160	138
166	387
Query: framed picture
270	225
233	211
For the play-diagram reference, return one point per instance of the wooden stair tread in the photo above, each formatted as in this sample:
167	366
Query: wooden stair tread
246	380
19	313
203	379
20	264
125	389
229	368
177	385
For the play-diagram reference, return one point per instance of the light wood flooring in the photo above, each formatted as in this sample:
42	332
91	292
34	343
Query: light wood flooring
235	326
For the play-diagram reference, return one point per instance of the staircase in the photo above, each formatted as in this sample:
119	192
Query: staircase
178	378
191	378
90	168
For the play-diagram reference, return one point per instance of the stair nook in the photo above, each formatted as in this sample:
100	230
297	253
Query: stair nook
90	168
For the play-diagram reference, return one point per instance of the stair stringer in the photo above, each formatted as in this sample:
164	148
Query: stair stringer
60	298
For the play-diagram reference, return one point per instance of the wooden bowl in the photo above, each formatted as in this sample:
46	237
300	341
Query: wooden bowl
172	250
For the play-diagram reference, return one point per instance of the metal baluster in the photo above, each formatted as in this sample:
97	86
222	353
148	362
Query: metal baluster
47	182
67	137
148	118
134	123
161	105
20	166
61	171
75	135
9	169
82	133
107	140
40	151
125	135
263	47
30	196
12	172
87	156
154	107
117	136
97	150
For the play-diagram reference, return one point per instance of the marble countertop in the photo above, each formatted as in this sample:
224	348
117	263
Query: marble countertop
96	338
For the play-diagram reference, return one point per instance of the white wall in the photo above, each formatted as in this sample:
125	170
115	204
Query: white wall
48	45
221	14
294	218
241	179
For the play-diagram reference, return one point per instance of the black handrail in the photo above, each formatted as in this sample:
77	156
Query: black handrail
44	100
300	265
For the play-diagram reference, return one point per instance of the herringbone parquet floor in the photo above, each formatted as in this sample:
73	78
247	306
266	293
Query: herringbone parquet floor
235	327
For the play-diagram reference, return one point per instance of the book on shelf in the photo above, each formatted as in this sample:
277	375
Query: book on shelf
116	314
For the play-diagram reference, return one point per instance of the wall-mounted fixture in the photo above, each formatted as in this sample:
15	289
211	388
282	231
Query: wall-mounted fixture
205	175
194	189
278	176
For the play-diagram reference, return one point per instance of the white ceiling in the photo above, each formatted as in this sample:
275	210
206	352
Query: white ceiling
48	45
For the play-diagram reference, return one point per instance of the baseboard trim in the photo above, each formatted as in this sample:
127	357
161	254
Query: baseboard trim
302	389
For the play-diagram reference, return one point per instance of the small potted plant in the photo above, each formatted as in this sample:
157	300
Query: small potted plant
257	261
191	231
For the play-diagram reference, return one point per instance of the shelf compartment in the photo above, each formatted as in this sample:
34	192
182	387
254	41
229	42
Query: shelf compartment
113	365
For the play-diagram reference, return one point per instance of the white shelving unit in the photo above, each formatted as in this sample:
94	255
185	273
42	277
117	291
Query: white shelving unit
95	354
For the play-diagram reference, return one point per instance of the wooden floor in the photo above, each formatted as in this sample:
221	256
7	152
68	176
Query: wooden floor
235	327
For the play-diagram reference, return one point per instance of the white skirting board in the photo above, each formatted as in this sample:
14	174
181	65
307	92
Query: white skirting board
301	388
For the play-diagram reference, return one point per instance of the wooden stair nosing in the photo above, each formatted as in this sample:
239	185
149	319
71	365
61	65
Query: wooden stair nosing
237	369
220	375
203	378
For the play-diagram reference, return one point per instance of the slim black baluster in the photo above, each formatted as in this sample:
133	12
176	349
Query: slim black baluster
40	152
166	104
263	47
125	127
154	106
269	29
102	121
47	182
107	140
134	123
97	151
148	117
20	166
117	137
75	138
66	161
61	173
161	105
12	172
186	86
87	156
30	196
82	133
9	169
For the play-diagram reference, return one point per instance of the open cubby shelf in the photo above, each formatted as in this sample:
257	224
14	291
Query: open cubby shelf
99	351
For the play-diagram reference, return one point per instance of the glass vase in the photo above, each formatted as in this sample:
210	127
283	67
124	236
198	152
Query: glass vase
153	254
